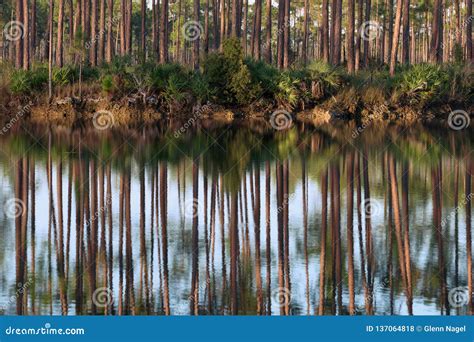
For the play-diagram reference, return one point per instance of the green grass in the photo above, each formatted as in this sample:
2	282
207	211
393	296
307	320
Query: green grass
230	80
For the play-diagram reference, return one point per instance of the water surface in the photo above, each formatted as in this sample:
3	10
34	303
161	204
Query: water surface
236	219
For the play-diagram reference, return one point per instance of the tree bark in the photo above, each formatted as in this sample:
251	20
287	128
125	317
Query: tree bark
268	39
325	31
406	32
164	33
305	32
350	36
396	35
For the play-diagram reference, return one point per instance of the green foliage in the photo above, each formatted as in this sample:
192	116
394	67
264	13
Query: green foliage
28	81
420	85
107	83
287	93
63	76
325	79
201	89
227	74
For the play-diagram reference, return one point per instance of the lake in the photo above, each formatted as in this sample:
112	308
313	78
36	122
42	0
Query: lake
208	218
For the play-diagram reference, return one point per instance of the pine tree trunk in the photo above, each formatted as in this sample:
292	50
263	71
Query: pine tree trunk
304	51
350	36
325	32
26	36
396	35
436	50
93	36
143	29
101	33
195	61
268	39
109	50
164	33
469	54
406	32
19	42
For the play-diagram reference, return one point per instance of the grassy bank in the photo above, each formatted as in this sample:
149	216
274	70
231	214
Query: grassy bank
229	81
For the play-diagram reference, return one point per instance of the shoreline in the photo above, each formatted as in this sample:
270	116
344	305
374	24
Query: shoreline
72	112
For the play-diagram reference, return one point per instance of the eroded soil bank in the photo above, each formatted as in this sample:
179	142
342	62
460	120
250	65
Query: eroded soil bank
72	112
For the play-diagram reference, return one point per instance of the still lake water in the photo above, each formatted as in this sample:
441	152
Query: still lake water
236	219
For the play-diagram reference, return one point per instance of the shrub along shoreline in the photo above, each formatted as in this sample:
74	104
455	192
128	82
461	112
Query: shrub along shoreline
229	81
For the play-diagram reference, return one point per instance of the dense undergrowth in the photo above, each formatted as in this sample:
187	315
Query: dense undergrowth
232	81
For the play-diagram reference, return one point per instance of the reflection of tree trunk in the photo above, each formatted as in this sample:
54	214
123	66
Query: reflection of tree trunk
60	242
281	253
336	238
214	195
120	253
164	233
361	243
368	233
469	170
20	262
397	220
350	238
234	251
32	288
258	275
405	221
305	227
286	235
268	236
195	242
436	189
79	234
143	252
129	289
222	224
109	217
69	218
92	222
390	243
208	287
322	257
456	219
